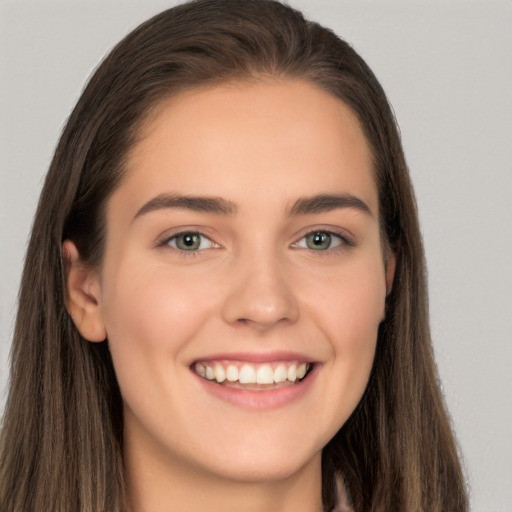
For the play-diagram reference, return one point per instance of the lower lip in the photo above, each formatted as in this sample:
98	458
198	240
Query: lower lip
262	399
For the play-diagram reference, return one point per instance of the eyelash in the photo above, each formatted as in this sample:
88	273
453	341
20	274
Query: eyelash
341	240
167	242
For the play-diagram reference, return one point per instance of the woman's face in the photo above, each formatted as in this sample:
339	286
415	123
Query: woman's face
243	244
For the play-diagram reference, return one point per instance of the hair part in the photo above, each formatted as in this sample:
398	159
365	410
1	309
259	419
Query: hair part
61	438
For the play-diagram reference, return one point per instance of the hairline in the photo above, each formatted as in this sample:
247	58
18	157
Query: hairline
142	128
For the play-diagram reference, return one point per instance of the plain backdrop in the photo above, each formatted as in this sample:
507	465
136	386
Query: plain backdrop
447	70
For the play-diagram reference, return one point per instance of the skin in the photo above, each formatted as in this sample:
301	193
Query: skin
254	286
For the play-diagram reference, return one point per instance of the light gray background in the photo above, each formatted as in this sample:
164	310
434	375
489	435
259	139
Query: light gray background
446	67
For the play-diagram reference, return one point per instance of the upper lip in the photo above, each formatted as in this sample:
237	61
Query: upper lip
257	357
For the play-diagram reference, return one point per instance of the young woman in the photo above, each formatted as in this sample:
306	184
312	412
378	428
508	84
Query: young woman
223	305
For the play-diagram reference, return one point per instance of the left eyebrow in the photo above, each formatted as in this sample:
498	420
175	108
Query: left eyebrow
326	202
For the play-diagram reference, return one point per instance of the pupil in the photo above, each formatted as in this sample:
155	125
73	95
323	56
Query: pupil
189	241
319	241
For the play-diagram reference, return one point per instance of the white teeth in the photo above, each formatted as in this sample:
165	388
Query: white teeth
247	375
292	373
301	370
232	373
209	373
252	374
220	373
200	370
280	373
265	375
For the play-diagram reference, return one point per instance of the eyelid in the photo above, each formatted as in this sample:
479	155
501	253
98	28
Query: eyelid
166	238
341	235
172	242
346	240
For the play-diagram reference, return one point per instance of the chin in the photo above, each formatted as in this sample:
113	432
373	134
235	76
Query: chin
275	460
269	470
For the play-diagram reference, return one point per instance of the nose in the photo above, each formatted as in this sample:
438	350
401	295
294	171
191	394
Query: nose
260	294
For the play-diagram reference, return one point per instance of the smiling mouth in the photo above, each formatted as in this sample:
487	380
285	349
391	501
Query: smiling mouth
256	377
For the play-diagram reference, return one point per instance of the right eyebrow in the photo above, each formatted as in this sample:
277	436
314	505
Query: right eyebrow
327	202
206	204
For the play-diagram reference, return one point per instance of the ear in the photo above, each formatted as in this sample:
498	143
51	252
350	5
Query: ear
389	269
390	272
83	294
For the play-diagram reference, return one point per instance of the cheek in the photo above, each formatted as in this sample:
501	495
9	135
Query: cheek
153	302
352	303
349	314
150	316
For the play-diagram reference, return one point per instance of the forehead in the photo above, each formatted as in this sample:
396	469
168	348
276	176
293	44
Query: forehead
277	139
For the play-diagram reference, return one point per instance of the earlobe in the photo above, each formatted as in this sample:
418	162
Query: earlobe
82	294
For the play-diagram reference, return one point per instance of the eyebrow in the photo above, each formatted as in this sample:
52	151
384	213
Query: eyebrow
305	205
326	202
206	204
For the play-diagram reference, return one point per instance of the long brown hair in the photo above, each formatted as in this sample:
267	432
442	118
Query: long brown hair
61	438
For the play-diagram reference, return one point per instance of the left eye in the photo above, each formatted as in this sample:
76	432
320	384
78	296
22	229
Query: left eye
190	242
320	241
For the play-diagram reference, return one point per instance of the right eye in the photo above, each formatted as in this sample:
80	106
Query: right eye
190	241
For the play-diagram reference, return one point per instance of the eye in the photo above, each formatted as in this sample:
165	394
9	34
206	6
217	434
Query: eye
321	241
190	241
